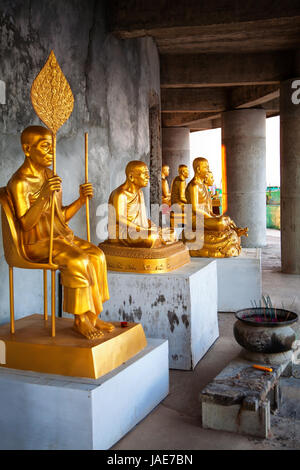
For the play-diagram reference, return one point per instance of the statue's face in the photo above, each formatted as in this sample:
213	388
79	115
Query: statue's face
185	172
140	177
203	169
209	179
166	170
40	150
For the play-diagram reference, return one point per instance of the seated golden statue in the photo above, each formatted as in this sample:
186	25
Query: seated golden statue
166	194
178	199
212	236
178	186
134	242
82	264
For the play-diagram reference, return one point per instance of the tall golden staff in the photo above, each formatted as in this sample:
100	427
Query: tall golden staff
86	181
53	102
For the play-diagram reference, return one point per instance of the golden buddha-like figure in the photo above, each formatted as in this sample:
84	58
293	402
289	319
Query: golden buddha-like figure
166	194
216	236
134	242
209	181
214	201
36	235
178	199
82	264
178	186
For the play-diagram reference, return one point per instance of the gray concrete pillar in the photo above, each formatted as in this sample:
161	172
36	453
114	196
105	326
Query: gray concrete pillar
175	149
2	92
290	175
244	169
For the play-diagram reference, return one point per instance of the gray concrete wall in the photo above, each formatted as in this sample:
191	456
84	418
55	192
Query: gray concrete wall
111	80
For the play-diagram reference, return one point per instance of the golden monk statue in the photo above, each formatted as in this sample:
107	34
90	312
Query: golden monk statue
132	237
178	186
215	201
209	181
219	237
82	264
166	194
128	224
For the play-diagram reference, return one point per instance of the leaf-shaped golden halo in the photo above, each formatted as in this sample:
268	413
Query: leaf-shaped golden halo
51	95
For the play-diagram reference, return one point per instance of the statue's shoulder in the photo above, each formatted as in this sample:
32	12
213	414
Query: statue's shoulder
191	184
19	178
116	194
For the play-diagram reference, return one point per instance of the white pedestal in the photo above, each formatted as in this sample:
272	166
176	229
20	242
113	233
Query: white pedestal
239	280
180	306
49	412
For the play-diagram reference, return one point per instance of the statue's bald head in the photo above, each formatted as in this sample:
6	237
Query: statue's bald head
33	133
182	167
134	166
198	162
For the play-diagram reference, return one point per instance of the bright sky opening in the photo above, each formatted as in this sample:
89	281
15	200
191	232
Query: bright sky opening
208	144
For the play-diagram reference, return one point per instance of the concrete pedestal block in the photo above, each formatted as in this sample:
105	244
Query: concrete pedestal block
230	418
239	280
49	412
180	306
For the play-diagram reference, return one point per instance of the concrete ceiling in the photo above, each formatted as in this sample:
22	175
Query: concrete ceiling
215	54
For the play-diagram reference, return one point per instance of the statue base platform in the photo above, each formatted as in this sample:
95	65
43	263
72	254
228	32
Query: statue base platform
51	412
180	306
239	280
69	354
145	260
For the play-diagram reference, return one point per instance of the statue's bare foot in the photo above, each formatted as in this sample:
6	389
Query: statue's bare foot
100	324
83	326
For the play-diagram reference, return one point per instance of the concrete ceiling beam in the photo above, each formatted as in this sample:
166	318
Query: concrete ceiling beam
186	119
193	99
250	96
205	125
134	18
206	100
212	70
272	107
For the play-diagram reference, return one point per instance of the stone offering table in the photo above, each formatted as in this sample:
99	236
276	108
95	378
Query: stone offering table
240	398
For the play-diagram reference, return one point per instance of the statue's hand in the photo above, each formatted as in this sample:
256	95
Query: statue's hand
51	185
86	190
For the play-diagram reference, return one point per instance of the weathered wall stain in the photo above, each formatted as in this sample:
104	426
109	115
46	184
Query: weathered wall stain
185	320
172	319
137	312
160	300
135	315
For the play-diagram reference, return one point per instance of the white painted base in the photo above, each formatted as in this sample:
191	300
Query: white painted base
239	280
180	306
49	412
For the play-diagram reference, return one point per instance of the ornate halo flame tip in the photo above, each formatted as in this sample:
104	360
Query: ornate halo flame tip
51	95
